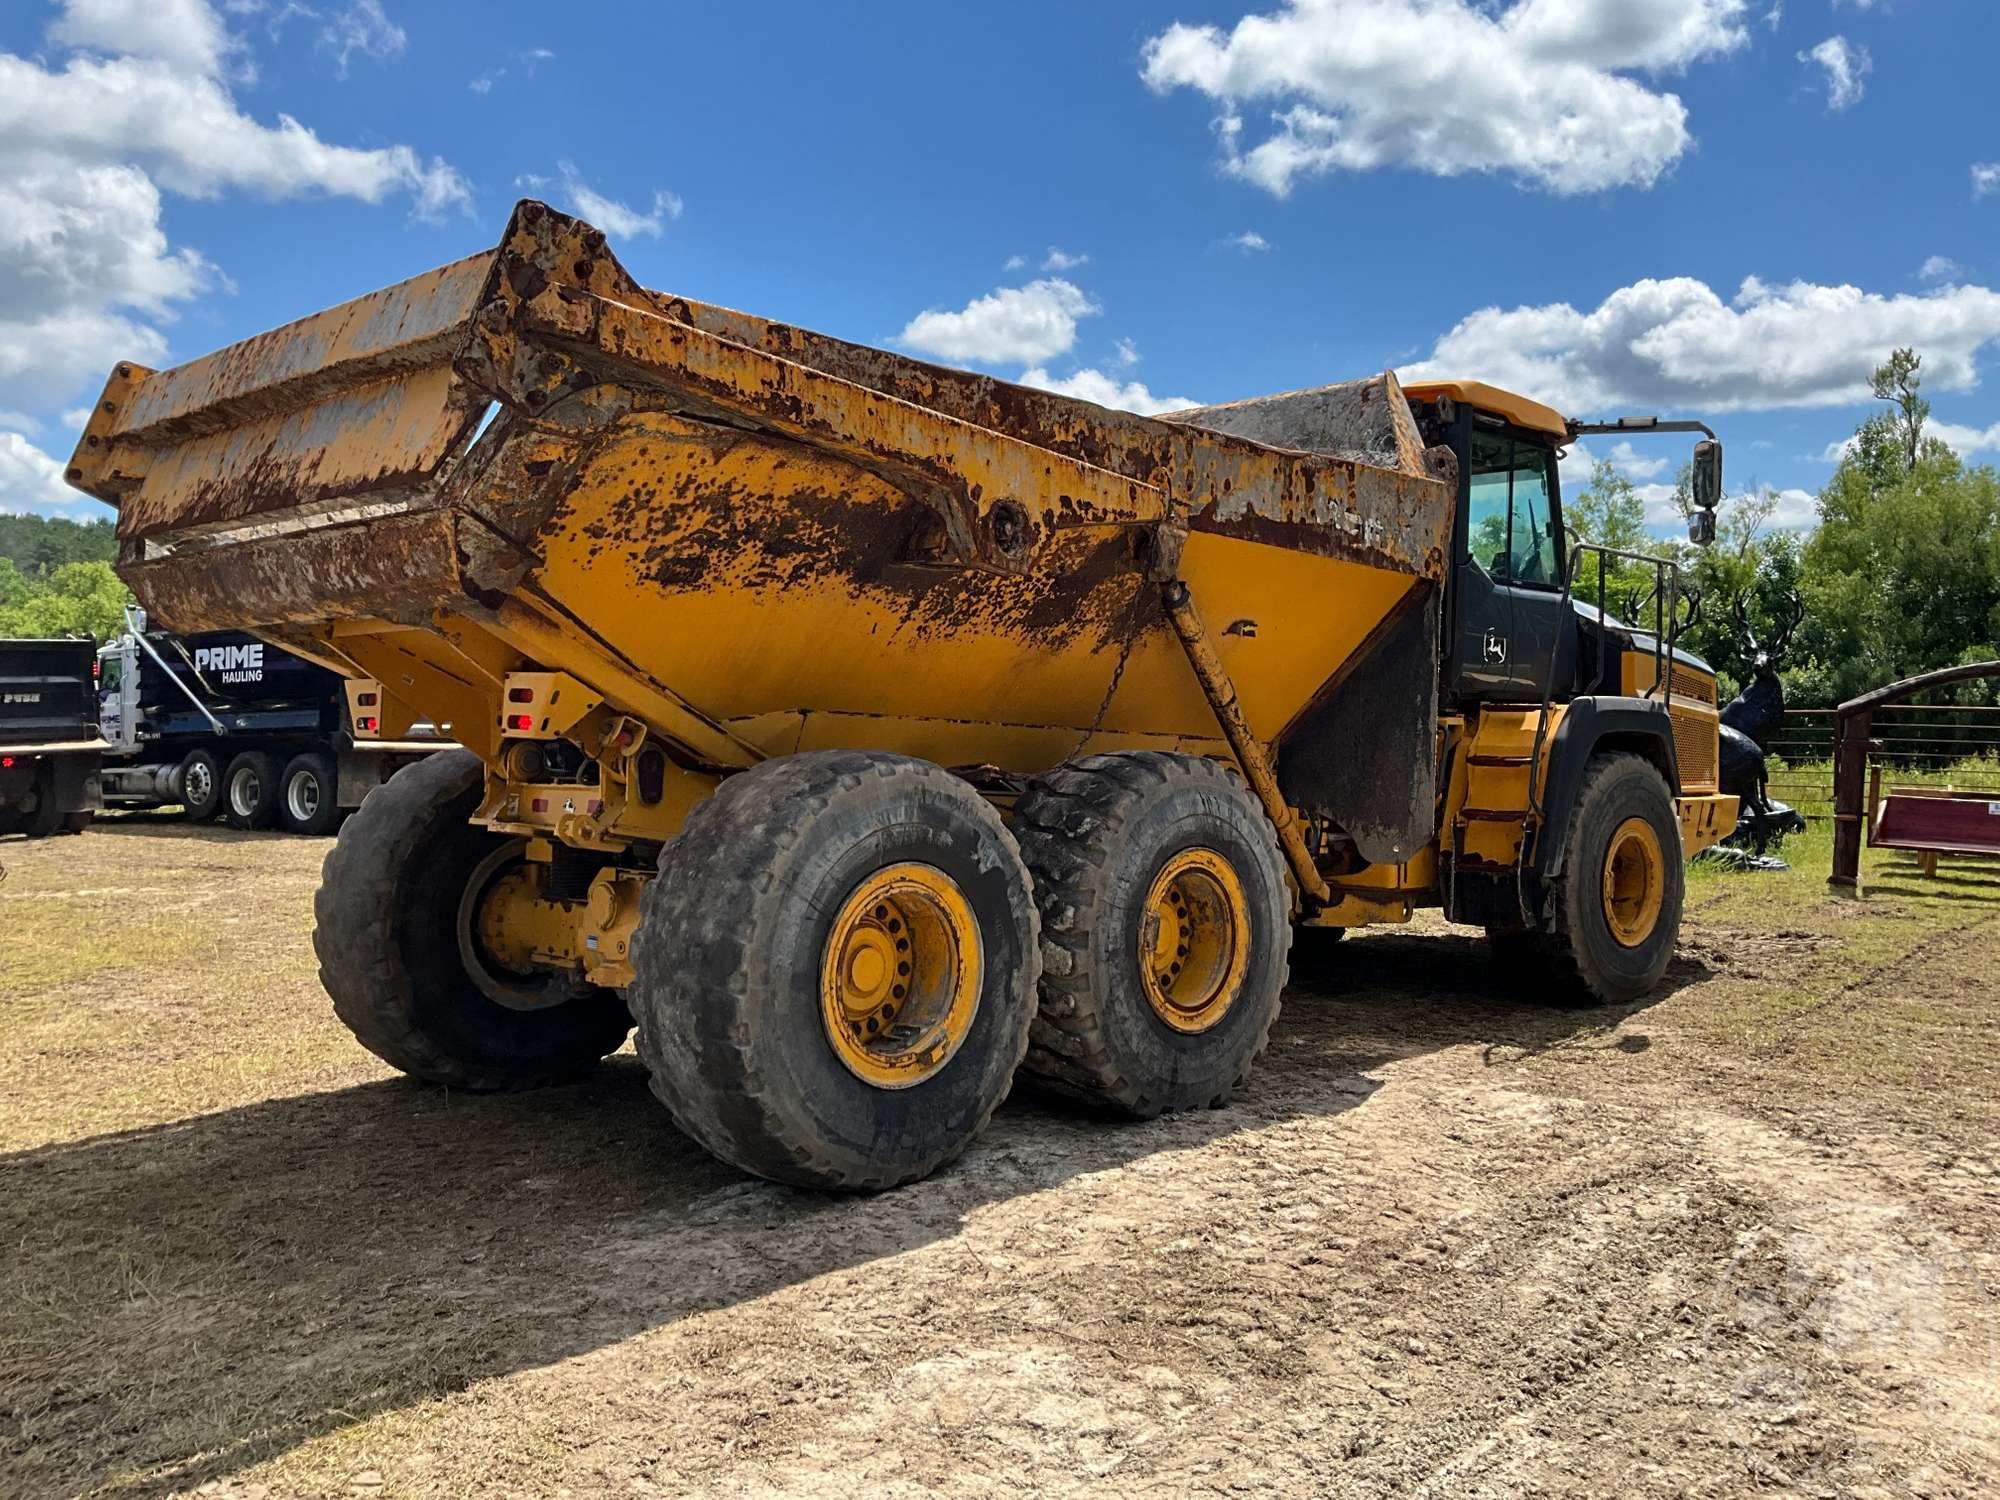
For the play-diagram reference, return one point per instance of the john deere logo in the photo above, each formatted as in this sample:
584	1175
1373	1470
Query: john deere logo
232	663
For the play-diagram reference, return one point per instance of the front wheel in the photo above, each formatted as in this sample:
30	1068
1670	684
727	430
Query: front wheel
835	969
403	955
199	782
1618	908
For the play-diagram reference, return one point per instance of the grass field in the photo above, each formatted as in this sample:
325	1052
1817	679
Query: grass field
1741	1238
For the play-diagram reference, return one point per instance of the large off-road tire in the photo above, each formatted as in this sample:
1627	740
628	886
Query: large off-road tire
787	908
1166	923
199	782
1618	904
308	795
250	789
405	969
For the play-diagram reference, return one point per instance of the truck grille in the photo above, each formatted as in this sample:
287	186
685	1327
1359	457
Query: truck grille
1695	745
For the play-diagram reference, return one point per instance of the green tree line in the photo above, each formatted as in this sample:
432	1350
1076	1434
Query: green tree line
1900	575
56	578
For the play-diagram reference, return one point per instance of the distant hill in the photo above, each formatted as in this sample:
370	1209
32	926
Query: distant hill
37	543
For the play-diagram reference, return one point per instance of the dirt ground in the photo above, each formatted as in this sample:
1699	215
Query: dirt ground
1744	1238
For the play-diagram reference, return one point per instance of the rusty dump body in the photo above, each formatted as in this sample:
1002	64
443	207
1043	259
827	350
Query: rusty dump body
523	473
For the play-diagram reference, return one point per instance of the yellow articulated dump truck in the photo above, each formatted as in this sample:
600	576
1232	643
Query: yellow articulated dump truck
865	731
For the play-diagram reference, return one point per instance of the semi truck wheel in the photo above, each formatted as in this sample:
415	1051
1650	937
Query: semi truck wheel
250	789
836	969
397	936
200	782
1166	923
308	797
1618	911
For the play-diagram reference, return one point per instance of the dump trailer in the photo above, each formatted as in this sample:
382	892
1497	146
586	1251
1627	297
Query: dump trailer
866	731
50	751
226	725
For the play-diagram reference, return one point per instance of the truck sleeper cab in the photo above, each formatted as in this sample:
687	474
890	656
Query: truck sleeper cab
863	730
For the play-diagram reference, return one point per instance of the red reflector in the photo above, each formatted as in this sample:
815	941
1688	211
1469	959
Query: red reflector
538	804
366	700
6	762
520	721
520	695
370	725
596	807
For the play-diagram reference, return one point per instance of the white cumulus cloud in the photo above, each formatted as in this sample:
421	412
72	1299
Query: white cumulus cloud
135	104
1560	93
1249	242
1845	66
1105	390
614	217
363	28
30	480
1940	268
1059	259
1985	178
1024	325
1675	345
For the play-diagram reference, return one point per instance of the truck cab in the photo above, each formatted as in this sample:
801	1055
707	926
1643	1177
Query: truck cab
1536	682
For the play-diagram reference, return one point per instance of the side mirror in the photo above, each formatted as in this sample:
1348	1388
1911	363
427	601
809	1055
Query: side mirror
1707	474
1701	527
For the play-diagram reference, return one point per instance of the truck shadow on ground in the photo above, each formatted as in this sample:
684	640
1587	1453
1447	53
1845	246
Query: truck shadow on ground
190	1299
174	824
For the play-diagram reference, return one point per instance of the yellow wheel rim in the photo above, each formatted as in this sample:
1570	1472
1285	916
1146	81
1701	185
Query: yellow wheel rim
1635	882
900	978
1194	940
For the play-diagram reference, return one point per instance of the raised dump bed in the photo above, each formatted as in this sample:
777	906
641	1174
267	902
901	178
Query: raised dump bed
849	637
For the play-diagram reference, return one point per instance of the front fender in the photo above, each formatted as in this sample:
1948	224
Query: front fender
1592	726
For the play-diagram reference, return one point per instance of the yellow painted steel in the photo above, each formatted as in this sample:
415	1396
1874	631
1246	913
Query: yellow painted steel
1487	809
1634	882
1194	940
1697	724
1522	411
900	976
525	930
1705	821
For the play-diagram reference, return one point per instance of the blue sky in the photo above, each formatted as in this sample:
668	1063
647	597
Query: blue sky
1724	208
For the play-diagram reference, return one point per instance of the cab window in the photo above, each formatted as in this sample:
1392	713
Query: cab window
1508	527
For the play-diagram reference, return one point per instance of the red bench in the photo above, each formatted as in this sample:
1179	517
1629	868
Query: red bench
1932	821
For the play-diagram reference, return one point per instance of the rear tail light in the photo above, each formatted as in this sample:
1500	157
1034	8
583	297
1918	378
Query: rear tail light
370	725
366	700
520	695
521	721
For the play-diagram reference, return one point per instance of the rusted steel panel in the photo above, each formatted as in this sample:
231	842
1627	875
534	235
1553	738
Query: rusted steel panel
407	326
1362	421
387	435
392	568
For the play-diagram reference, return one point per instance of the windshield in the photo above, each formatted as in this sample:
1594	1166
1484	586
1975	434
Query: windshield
1508	529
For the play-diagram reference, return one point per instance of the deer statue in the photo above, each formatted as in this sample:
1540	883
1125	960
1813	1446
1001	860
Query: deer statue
1750	716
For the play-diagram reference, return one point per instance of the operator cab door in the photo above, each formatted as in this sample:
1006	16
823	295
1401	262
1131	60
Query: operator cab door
1509	612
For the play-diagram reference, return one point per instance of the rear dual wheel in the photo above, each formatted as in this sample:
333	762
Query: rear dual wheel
1165	930
836	969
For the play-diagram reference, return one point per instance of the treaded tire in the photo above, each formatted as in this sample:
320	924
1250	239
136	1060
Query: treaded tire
1590	964
386	935
1095	833
200	808
247	803
325	808
728	953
